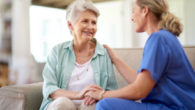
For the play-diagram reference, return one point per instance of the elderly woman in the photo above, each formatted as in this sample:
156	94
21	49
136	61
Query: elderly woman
72	66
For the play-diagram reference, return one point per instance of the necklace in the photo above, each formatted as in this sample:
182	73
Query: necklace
78	78
82	69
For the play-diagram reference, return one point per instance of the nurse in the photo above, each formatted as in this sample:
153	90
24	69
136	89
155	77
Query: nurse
165	79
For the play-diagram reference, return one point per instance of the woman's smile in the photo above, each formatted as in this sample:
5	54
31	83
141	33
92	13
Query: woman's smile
88	33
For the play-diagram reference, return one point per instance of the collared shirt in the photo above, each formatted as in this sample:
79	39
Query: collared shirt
60	64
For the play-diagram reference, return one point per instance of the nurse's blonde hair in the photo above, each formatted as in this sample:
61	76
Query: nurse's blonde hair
78	6
160	9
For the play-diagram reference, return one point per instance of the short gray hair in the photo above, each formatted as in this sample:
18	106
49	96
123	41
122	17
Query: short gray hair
79	6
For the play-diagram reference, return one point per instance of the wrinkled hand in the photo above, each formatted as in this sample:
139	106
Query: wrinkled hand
110	52
89	100
97	94
81	94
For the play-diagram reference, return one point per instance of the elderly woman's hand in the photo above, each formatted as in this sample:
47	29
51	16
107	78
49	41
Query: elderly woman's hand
97	94
81	94
89	100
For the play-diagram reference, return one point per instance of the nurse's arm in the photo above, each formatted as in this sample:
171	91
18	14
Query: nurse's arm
139	89
128	73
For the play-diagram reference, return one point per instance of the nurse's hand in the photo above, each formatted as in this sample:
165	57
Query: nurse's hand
81	94
98	94
111	53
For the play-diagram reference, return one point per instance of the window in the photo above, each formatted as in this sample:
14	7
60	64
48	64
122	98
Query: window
47	28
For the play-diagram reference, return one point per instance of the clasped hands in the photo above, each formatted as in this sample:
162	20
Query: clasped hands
90	94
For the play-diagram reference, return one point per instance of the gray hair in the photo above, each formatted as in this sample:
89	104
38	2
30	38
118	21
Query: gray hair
79	6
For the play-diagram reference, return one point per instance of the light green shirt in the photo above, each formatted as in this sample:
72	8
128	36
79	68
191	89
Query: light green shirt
60	64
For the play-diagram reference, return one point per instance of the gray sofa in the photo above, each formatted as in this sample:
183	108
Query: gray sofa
29	96
21	97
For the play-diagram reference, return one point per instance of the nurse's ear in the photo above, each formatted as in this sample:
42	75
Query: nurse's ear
145	11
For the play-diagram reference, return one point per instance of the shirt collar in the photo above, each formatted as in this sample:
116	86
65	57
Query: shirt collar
69	45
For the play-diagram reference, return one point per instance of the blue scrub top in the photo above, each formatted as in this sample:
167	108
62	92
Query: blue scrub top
170	68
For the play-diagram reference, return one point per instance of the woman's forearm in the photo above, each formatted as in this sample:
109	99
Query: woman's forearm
140	88
124	93
63	93
128	73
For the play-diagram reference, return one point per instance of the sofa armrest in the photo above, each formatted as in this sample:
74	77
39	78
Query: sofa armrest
21	97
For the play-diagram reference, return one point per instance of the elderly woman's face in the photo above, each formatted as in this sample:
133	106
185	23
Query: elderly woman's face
85	26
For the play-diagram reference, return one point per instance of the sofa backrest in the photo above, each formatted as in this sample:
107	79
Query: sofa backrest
132	57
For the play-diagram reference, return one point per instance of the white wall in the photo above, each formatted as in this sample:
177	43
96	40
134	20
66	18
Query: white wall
127	25
110	24
190	22
131	38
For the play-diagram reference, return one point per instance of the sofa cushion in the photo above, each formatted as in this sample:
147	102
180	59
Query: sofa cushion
21	97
